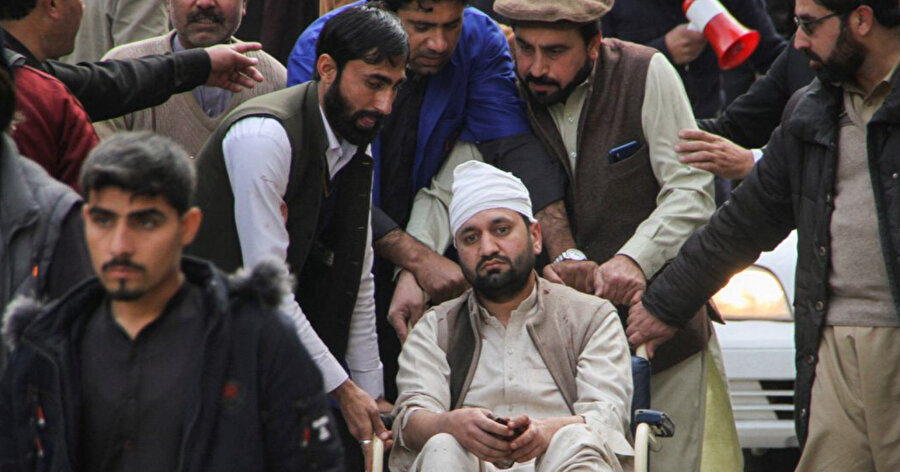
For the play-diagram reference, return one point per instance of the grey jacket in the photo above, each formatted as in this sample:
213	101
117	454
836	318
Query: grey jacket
42	253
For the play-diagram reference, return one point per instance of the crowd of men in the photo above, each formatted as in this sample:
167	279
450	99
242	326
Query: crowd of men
433	232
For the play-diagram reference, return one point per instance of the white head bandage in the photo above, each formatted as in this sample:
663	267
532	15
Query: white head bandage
478	186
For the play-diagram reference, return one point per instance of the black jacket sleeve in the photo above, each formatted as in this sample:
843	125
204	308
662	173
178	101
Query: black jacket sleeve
300	432
527	158
759	215
109	89
750	119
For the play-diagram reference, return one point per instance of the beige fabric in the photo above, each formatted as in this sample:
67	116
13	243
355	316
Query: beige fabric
859	290
429	219
865	105
573	448
603	377
181	117
659	237
106	24
855	402
566	115
510	372
721	446
681	392
548	11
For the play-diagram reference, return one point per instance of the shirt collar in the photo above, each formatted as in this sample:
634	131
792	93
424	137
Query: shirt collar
851	86
17	46
339	150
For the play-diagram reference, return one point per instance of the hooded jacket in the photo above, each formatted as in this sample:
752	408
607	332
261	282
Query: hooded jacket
258	403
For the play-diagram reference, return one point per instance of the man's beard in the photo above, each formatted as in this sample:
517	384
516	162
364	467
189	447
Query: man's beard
344	125
122	293
500	286
560	95
844	61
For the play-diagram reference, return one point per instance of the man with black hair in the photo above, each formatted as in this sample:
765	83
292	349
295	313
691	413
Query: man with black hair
43	252
161	362
830	172
610	112
287	175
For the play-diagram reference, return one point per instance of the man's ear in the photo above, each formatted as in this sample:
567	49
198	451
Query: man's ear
190	224
594	47
52	9
244	8
861	20
327	69
536	238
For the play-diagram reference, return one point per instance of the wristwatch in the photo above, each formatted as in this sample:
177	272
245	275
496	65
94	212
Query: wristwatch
570	255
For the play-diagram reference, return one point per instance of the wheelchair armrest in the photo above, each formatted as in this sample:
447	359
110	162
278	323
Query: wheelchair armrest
660	423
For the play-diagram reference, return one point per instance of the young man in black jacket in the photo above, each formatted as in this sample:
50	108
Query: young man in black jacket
830	172
160	363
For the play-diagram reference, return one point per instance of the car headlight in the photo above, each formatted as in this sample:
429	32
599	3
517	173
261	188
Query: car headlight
753	294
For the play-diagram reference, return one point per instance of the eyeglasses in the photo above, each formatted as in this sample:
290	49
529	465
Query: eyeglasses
809	26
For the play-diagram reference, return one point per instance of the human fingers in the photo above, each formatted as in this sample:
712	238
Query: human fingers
397	320
551	274
246	47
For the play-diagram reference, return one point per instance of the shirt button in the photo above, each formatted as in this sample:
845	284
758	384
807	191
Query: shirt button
895	176
509	377
822	250
571	119
509	351
820	305
573	154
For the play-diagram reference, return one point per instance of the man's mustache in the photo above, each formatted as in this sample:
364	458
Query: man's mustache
211	15
496	257
542	80
122	262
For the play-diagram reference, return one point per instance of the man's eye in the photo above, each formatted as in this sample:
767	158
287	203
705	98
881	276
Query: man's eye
469	239
101	220
502	229
420	28
146	223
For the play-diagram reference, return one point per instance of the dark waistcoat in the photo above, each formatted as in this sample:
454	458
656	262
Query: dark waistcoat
326	261
607	202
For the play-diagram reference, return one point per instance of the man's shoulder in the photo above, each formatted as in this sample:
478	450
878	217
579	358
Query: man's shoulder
577	305
155	45
628	49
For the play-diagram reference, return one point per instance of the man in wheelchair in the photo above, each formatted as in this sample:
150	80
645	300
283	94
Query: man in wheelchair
518	372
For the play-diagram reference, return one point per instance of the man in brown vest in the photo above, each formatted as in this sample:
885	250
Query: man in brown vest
549	362
611	112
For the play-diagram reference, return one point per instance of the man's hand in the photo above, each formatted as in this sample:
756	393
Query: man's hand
619	280
684	45
474	429
407	305
714	153
576	274
362	416
231	69
536	436
441	278
644	328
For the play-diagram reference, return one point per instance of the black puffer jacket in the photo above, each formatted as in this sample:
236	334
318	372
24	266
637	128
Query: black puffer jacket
791	188
273	416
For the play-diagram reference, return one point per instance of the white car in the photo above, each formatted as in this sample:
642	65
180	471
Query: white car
758	347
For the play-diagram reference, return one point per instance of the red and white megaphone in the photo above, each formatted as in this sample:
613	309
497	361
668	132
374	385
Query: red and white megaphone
731	40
